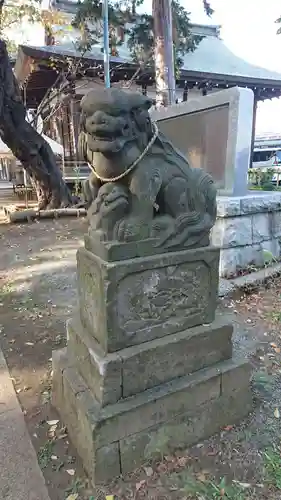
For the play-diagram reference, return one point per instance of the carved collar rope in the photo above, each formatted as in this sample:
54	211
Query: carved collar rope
114	179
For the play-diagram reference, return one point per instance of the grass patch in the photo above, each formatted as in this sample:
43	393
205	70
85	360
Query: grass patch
274	316
5	291
263	382
74	488
208	489
45	454
272	467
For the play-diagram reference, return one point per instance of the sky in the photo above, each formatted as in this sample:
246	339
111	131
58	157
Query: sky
248	29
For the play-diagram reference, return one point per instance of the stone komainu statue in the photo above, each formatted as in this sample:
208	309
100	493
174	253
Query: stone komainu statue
141	186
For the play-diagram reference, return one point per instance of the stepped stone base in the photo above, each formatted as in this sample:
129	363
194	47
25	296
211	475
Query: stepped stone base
148	365
114	376
117	438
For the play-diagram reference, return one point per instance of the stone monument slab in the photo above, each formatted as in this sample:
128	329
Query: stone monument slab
215	133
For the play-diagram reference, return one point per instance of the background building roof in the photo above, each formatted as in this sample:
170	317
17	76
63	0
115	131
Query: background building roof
213	56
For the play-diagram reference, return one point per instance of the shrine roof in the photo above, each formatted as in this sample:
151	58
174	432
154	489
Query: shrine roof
212	57
212	60
212	63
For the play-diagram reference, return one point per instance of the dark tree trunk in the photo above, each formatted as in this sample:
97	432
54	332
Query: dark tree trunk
26	143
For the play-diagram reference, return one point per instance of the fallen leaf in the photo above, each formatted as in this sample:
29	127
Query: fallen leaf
212	453
140	484
228	428
62	436
62	433
243	485
52	422
71	472
276	413
52	431
182	461
201	476
73	496
148	471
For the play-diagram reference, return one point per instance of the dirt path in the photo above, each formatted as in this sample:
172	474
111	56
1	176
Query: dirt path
38	294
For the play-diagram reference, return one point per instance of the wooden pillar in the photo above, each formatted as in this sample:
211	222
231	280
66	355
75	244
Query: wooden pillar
254	126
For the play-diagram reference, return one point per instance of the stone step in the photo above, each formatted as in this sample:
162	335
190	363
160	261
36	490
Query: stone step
116	439
132	370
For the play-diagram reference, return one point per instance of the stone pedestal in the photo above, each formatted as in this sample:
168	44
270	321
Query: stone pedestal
148	363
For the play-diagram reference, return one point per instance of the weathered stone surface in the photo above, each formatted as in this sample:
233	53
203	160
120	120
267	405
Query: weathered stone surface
140	187
262	227
60	361
240	248
233	259
276	225
135	301
102	373
266	202
149	408
251	255
104	462
232	232
112	250
185	410
134	369
273	247
229	261
185	429
237	378
228	206
161	360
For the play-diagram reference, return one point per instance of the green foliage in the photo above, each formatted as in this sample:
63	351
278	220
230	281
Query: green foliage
272	467
262	178
263	382
140	34
14	13
268	257
45	454
88	20
207	489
